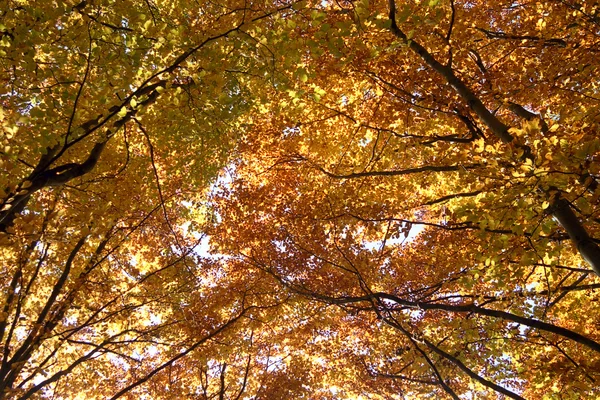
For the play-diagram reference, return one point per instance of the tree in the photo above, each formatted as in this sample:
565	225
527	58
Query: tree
344	126
406	130
115	116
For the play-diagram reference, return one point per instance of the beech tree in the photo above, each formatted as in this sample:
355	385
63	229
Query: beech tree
469	128
297	199
115	116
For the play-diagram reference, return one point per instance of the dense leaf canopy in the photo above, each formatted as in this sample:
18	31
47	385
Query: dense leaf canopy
287	199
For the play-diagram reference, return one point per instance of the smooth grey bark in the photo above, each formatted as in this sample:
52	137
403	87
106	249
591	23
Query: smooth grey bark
588	249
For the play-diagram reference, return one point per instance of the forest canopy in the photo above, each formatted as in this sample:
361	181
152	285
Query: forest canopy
366	199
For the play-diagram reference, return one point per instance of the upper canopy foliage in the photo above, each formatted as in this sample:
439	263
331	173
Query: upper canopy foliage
297	199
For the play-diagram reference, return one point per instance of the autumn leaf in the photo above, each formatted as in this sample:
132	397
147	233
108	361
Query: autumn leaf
299	199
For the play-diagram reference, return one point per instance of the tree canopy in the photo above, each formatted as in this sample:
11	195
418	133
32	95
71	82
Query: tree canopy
305	199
